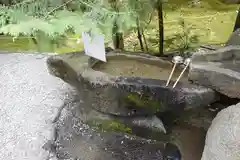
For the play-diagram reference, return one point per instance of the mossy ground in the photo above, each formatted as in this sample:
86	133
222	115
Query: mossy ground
212	22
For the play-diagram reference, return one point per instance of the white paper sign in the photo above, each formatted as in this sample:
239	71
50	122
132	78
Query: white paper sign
94	46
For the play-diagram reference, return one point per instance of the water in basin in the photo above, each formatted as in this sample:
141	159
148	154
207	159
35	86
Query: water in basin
125	66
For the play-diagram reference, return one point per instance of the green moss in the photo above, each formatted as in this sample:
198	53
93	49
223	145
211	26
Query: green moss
144	101
109	125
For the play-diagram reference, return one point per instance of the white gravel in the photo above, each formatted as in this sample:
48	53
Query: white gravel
29	100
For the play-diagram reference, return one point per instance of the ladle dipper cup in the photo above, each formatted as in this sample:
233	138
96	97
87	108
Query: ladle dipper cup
186	63
176	60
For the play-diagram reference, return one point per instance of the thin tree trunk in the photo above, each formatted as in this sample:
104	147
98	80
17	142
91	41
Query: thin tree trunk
237	23
160	26
119	41
139	35
117	37
145	40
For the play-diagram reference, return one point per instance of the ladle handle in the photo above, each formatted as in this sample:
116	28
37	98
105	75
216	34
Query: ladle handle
180	75
171	74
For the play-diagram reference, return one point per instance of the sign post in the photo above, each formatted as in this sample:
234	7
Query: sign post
94	46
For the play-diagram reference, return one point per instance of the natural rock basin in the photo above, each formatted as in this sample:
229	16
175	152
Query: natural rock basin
129	102
126	95
135	67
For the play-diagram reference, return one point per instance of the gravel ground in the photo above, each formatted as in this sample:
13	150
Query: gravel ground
29	100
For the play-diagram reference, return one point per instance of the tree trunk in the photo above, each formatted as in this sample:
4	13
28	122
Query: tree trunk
160	26
145	40
237	23
139	35
117	37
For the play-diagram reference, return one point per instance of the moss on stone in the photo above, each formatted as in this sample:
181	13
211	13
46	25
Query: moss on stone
109	125
144	101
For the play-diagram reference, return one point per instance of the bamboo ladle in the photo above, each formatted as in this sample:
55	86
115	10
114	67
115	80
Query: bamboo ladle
186	63
176	60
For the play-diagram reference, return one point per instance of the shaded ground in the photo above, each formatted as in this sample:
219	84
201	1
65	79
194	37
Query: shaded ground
190	140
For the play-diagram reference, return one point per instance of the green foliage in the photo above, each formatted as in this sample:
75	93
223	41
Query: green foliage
143	10
184	40
57	19
51	23
30	18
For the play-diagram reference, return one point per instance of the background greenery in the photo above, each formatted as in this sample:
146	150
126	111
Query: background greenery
57	26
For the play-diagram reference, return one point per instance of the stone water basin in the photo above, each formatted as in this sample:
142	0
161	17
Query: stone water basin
129	90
